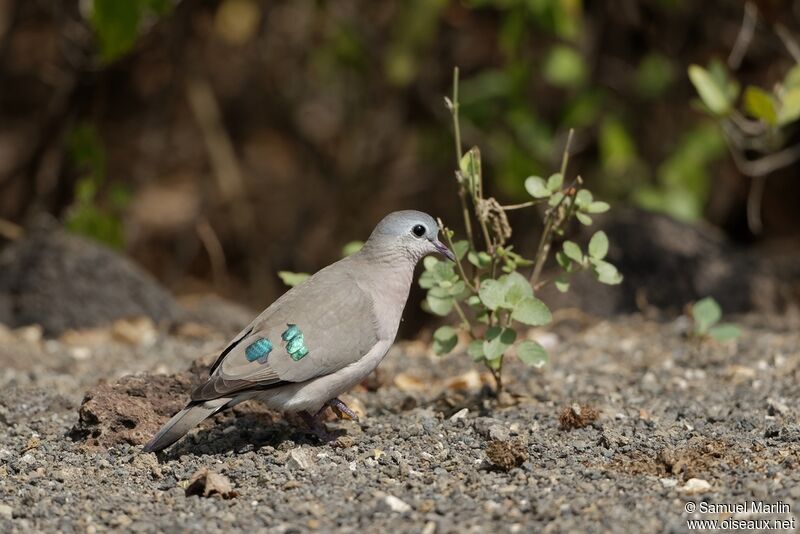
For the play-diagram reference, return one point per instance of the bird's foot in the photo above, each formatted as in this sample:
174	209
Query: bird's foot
316	427
341	409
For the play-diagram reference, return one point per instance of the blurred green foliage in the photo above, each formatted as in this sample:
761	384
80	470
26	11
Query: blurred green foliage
87	215
118	23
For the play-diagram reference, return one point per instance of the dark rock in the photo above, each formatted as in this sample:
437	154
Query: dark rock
62	281
668	264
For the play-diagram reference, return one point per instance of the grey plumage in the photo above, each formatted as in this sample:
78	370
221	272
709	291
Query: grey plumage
348	314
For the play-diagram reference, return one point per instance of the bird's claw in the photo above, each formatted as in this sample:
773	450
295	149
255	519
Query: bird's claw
341	409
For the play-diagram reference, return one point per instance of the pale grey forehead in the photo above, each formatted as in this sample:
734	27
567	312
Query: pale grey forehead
399	222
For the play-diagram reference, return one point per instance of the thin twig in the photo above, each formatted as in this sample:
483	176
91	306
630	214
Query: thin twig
565	156
463	316
521	206
767	164
454	106
788	41
745	36
543	250
754	198
213	246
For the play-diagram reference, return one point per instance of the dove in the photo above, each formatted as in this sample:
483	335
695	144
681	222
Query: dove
320	338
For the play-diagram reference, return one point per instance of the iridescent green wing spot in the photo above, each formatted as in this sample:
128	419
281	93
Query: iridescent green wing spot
259	350
295	345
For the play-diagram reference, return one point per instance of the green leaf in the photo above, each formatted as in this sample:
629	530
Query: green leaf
292	279
760	104
706	313
562	284
480	260
564	67
351	248
475	350
555	198
532	354
426	280
583	218
470	166
536	187
563	260
440	306
430	262
724	332
597	207
713	95
532	311
606	273
474	301
790	107
445	339
460	249
792	78
516	288
573	251
583	198
555	182
492	293
598	245
116	25
498	340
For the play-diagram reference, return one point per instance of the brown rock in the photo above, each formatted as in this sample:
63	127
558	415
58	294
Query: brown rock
205	483
131	409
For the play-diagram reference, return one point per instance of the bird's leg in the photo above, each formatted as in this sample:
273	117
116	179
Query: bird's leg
316	427
340	408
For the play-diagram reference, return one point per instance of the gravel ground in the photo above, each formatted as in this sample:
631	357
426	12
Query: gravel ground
433	452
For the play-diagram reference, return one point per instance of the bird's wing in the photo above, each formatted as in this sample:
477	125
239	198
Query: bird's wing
315	329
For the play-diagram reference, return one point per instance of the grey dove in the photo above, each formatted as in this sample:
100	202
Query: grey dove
321	337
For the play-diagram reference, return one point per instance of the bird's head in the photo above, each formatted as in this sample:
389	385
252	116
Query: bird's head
413	233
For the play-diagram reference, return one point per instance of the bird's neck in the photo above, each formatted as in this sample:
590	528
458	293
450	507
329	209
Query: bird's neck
387	276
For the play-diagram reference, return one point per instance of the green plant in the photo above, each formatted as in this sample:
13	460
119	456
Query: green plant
753	121
92	213
485	286
706	314
118	24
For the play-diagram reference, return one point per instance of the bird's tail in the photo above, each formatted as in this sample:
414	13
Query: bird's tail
183	421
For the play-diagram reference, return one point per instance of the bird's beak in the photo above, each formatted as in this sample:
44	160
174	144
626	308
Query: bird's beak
443	250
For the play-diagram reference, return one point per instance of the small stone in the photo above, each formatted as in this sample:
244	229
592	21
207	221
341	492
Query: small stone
299	458
6	512
207	483
499	433
668	482
30	334
696	485
396	505
461	414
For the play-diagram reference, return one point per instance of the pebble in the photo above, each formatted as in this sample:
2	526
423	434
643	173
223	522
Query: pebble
6	512
461	414
694	486
300	458
396	505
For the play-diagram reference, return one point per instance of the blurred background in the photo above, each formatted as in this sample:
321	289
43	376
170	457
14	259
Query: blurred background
217	142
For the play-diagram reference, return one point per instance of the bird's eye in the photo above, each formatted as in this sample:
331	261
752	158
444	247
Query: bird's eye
418	230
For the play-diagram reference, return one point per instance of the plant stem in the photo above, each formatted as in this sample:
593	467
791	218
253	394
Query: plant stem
462	193
521	205
543	250
463	316
565	156
461	271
